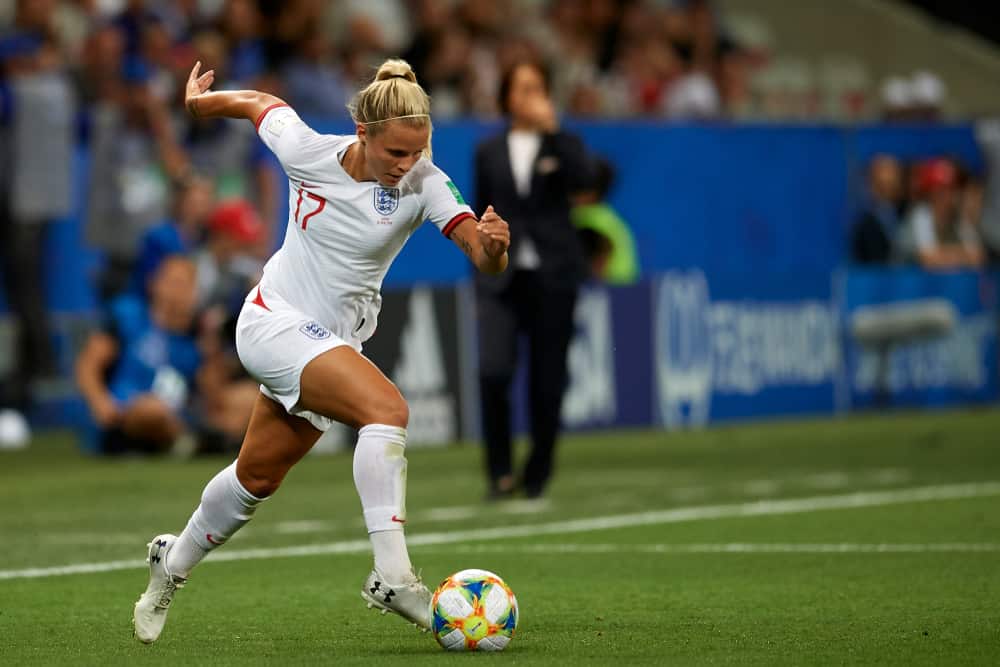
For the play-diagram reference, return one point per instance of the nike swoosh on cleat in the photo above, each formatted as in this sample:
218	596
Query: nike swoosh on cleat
397	519
208	536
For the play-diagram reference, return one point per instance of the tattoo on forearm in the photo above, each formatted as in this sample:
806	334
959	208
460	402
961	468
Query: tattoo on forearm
192	106
464	245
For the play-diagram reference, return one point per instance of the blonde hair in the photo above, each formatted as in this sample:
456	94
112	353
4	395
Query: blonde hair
393	95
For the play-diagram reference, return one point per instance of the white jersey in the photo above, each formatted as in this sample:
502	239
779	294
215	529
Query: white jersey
342	234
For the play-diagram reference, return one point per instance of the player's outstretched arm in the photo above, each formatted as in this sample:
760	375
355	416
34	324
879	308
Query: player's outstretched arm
201	103
485	242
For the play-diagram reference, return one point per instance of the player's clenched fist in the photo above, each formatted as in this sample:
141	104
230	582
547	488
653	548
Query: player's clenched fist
494	232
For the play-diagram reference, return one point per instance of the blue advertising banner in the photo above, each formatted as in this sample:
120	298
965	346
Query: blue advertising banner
690	349
687	350
954	366
610	377
739	349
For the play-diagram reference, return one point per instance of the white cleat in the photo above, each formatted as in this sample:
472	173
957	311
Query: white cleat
151	610
410	599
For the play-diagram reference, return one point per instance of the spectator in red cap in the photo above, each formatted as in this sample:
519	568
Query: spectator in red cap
228	266
229	263
937	235
236	219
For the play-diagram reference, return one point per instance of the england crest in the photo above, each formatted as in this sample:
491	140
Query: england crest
315	330
386	200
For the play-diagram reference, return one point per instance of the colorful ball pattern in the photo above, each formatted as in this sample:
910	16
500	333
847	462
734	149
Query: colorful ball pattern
474	610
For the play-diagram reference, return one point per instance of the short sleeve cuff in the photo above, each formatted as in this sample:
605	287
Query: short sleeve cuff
455	222
263	114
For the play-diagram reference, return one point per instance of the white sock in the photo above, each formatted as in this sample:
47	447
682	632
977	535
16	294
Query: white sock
225	508
380	477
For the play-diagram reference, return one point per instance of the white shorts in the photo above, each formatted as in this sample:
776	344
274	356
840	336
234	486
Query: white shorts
275	342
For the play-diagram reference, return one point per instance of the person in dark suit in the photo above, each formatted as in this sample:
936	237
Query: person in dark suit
874	237
529	171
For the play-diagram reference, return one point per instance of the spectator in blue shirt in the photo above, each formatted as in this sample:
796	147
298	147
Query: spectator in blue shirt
137	373
180	235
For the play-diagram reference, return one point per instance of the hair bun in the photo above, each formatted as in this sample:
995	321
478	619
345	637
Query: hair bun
395	69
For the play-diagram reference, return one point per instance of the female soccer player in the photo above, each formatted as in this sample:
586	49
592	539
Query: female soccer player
354	201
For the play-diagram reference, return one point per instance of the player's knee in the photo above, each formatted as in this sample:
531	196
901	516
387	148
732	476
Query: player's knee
391	410
396	413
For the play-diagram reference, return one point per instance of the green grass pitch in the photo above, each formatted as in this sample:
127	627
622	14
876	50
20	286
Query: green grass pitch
870	540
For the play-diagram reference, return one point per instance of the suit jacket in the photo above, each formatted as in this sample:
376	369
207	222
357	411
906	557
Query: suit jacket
869	242
561	168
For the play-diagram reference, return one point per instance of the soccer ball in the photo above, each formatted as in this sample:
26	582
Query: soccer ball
473	610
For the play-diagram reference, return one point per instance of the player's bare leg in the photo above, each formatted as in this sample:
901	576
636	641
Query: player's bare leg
346	386
340	384
274	442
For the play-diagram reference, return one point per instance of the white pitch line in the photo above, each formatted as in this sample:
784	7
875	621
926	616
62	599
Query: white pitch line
462	512
442	514
309	526
676	515
101	539
459	513
80	568
724	548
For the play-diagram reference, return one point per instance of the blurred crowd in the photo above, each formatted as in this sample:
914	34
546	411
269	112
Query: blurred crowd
919	97
183	212
929	213
667	58
180	212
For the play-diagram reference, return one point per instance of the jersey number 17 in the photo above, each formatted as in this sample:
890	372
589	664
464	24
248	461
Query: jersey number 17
298	206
